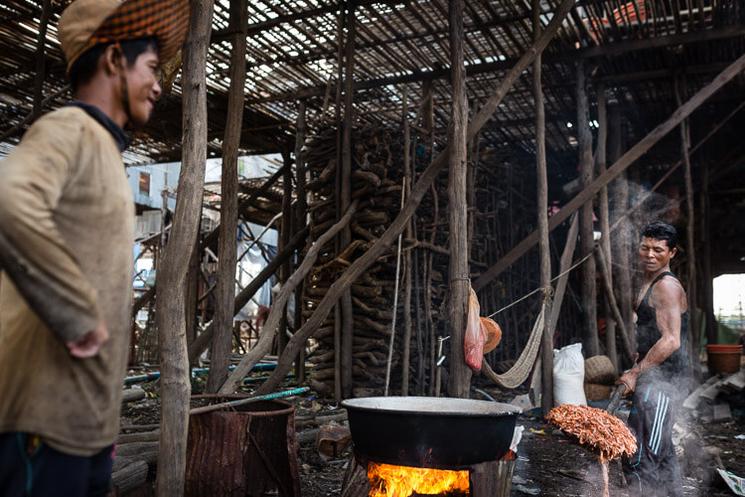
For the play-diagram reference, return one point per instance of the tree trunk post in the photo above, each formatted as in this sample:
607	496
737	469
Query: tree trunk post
46	11
547	343
707	276
589	291
604	215
300	223
685	145
222	338
286	229
175	383
460	374
408	235
347	312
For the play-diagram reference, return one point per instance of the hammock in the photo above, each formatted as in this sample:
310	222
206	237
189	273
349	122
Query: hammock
518	373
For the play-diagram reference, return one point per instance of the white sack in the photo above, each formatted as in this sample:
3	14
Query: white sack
569	376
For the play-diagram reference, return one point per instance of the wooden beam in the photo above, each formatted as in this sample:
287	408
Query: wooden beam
222	339
621	165
175	386
459	384
417	193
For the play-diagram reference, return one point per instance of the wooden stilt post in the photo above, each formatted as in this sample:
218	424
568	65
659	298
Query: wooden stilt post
222	338
617	168
301	215
41	39
460	374
707	277
286	229
590	343
408	235
604	215
547	344
622	237
338	352
685	146
175	385
347	318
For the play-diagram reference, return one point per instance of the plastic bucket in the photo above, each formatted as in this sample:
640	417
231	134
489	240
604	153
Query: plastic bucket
724	358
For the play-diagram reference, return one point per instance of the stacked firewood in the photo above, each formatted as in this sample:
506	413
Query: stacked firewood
376	186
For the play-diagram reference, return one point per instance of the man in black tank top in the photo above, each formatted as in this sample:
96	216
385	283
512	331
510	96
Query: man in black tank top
659	380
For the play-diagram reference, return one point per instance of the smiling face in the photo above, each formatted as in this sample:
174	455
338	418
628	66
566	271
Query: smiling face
654	254
143	86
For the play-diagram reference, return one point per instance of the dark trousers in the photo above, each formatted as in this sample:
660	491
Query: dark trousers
29	468
653	471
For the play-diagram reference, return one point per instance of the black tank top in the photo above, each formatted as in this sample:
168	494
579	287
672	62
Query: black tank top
647	333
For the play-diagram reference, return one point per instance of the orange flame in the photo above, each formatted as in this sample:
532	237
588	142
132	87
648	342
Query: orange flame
387	480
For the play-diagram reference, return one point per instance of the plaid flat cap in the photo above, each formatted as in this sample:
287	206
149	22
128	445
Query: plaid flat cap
86	23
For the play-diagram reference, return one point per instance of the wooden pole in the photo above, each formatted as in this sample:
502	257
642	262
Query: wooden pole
605	278
460	374
408	234
222	338
544	250
417	193
707	276
338	370
590	344
685	146
347	313
622	236
564	264
604	215
286	229
300	223
46	11
620	165
175	384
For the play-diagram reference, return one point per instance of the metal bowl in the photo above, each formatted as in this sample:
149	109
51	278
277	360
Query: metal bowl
434	432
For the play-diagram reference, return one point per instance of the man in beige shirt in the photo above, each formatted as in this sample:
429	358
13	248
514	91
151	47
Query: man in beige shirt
66	234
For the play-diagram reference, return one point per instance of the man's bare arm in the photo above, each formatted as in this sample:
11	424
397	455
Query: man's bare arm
667	297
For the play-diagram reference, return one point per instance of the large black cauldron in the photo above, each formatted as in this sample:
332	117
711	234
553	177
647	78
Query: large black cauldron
434	432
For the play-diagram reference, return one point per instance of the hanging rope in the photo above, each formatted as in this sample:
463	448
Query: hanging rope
518	373
569	270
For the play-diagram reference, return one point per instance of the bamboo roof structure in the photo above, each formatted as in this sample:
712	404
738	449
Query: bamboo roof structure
635	48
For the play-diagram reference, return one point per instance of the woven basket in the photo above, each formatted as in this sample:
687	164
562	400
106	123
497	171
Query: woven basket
599	369
593	391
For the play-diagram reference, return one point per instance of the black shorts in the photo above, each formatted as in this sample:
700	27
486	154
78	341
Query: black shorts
31	468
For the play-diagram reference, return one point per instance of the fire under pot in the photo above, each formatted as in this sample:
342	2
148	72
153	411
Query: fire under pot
413	446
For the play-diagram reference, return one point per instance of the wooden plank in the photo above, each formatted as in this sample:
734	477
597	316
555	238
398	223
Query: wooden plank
616	169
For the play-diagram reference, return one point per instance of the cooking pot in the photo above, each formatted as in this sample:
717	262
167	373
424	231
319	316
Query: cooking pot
433	432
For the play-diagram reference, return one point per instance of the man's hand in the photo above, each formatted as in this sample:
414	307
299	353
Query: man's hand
628	378
89	344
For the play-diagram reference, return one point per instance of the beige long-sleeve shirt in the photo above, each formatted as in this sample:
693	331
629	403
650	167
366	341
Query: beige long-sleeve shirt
66	233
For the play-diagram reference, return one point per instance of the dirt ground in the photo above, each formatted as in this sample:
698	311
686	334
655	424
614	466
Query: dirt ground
548	464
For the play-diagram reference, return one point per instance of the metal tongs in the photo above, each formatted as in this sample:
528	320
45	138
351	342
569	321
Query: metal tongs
615	398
